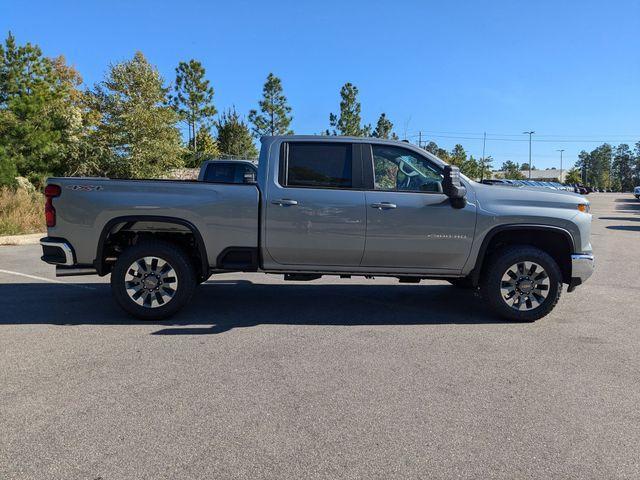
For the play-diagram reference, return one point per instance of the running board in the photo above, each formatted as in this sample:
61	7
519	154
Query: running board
62	271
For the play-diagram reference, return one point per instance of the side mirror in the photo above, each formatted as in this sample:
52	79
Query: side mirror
453	188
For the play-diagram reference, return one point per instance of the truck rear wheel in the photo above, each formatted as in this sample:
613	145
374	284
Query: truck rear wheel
521	283
153	280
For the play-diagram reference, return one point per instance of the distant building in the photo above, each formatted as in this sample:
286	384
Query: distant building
549	175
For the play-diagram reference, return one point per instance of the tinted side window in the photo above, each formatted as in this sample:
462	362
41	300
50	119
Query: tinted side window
321	165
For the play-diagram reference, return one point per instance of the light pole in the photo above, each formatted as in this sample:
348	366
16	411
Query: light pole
484	142
529	133
561	150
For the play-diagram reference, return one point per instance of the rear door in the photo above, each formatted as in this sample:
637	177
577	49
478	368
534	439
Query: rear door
315	207
410	222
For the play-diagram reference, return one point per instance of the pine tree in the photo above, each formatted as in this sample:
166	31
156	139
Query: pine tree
206	143
22	67
193	99
8	171
470	167
234	136
41	114
349	121
458	156
484	168
384	128
511	170
434	149
207	149
275	117
135	124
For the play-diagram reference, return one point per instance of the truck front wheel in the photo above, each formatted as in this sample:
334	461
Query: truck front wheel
153	280
521	283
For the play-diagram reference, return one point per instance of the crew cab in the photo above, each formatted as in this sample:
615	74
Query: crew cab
322	205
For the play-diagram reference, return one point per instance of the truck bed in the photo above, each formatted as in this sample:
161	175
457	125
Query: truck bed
224	214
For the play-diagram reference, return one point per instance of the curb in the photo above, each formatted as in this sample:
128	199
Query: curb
30	239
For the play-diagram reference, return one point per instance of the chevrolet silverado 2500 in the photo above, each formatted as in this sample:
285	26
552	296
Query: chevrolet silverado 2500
321	206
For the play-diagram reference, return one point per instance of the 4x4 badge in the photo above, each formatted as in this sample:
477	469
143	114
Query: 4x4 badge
84	188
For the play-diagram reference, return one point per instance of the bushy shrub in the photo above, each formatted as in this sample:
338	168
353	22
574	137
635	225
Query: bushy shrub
21	211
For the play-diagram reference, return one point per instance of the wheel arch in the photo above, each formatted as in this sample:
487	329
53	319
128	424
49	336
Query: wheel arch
556	241
99	262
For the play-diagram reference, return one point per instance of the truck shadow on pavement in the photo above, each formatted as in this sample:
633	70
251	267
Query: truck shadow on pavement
221	305
628	228
627	205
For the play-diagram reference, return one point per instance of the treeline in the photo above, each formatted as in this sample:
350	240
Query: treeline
615	168
130	123
605	167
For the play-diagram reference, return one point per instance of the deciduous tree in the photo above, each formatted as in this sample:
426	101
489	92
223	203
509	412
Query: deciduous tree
573	176
622	168
596	166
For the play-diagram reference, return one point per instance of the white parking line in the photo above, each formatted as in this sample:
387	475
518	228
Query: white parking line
42	279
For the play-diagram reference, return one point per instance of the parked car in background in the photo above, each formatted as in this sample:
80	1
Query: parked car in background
636	192
496	181
228	171
581	189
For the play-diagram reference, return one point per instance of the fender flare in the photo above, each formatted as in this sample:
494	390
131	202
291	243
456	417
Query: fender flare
477	267
202	249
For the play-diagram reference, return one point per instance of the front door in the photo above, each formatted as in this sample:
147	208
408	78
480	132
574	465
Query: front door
314	214
410	222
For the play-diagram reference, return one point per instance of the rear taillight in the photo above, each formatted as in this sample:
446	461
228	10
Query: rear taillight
50	192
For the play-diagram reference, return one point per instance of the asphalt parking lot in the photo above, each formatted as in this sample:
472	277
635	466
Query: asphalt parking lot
261	378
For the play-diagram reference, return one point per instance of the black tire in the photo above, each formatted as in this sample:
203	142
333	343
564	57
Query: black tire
463	282
182	273
499	263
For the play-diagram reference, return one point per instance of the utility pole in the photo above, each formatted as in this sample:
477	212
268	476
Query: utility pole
484	143
529	133
420	139
561	150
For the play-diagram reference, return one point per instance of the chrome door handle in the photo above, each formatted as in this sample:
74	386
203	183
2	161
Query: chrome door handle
284	202
384	205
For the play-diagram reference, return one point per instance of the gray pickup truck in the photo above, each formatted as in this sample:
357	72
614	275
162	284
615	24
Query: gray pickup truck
321	206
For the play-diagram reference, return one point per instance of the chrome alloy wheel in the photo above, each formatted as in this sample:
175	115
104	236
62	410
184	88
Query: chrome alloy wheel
524	286
151	282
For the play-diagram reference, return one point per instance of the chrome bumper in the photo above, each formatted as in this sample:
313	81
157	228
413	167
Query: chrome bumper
56	251
582	266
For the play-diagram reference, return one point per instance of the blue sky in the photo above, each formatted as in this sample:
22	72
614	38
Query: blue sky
570	70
